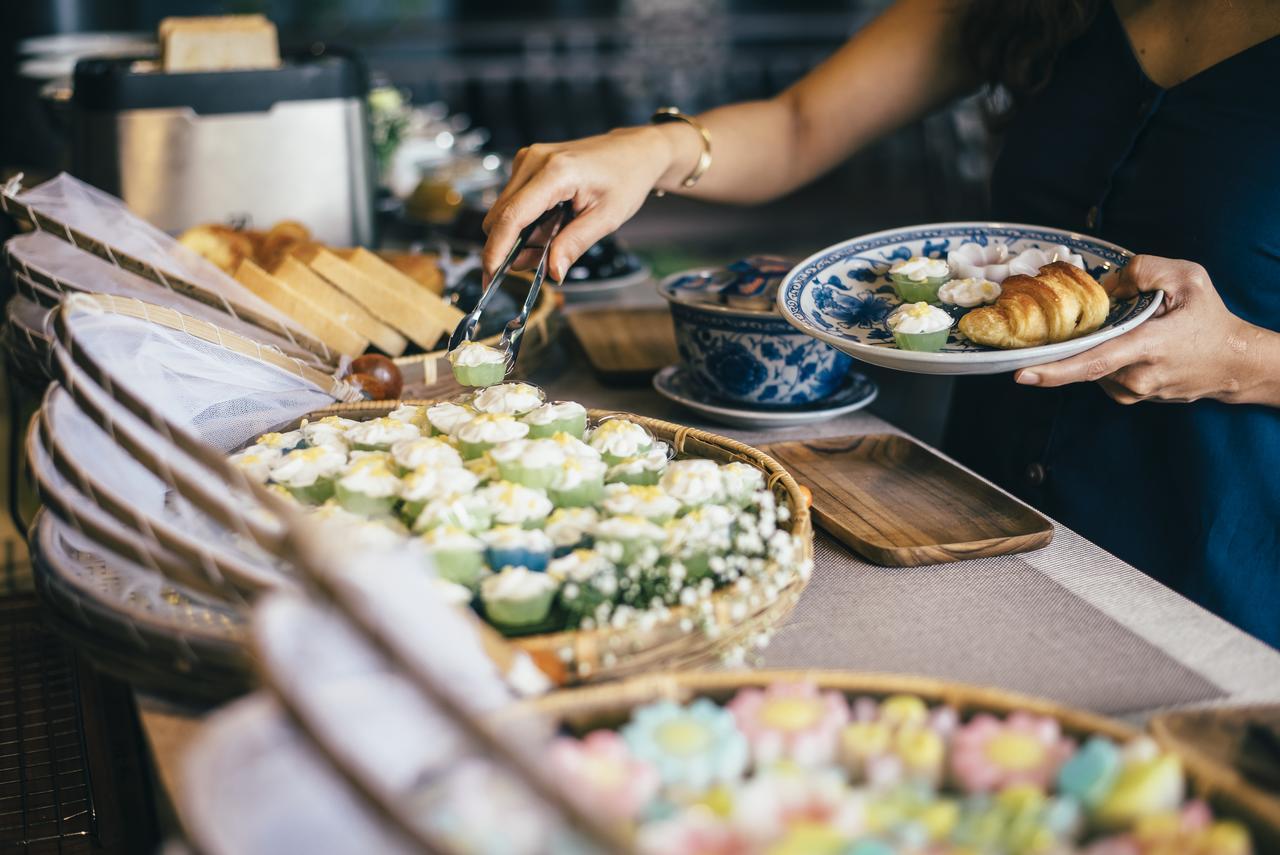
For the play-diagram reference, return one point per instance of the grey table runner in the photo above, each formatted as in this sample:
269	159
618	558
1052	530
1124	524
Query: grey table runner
1070	622
995	621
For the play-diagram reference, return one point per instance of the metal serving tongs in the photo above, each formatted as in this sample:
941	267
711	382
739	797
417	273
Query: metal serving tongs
555	218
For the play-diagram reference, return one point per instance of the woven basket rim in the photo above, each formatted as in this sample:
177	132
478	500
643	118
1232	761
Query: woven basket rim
45	531
172	319
1211	780
592	646
235	572
33	290
79	511
20	210
196	487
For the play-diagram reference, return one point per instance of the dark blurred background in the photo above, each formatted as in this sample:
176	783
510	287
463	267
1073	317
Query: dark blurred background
557	69
544	70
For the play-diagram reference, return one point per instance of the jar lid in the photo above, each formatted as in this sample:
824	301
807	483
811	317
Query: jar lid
750	283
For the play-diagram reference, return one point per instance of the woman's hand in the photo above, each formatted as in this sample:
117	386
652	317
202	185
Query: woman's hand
1193	348
607	177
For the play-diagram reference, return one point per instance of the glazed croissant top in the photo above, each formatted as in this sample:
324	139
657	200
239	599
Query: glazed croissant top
1060	302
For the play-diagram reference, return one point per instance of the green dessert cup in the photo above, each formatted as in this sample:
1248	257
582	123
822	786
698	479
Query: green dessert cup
922	342
363	504
917	290
487	374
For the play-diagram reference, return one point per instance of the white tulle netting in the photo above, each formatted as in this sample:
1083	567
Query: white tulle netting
78	270
107	220
225	398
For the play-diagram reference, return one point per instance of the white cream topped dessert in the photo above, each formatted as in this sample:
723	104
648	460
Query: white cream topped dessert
915	318
512	399
618	439
515	504
693	482
920	327
380	434
970	292
488	430
256	461
411	454
446	417
280	441
476	364
652	503
918	268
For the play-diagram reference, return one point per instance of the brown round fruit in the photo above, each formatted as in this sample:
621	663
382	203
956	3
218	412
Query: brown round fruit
380	377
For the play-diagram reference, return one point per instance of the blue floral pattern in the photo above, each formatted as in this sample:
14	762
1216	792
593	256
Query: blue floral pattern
758	359
845	291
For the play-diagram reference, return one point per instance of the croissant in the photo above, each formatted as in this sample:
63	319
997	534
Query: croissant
1060	302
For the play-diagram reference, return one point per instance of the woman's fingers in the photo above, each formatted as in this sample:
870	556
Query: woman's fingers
524	206
577	237
1094	364
1176	278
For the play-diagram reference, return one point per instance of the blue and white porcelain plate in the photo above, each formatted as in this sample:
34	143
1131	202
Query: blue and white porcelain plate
842	295
675	384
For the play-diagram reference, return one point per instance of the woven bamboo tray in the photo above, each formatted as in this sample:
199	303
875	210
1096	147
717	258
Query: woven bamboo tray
28	339
591	707
209	568
1177	732
137	624
610	654
24	213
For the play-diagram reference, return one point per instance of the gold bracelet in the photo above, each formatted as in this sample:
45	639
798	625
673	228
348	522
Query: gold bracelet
673	114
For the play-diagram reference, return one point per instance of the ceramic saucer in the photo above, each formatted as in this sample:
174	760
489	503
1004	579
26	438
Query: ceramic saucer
674	383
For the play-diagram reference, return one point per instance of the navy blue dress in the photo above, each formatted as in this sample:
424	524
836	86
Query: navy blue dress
1188	493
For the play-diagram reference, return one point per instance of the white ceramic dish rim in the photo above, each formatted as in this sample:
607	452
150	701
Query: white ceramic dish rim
762	417
1025	356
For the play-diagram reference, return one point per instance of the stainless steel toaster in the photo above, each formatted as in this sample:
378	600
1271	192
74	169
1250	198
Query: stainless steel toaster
254	146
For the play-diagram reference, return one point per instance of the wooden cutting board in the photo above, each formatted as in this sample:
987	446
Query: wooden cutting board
897	503
631	343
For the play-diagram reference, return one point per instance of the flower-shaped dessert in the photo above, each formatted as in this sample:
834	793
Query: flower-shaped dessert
693	747
696	831
601	771
788	800
792	721
989	754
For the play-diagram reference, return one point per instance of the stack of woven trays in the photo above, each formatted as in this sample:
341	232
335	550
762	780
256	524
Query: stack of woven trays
129	451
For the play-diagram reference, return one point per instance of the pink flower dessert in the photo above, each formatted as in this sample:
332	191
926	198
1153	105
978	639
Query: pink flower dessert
697	831
601	770
988	754
792	721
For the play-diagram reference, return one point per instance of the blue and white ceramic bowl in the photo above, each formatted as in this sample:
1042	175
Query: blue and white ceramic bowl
737	346
842	295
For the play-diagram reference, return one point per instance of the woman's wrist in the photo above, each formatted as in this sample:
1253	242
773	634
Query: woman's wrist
682	146
1253	375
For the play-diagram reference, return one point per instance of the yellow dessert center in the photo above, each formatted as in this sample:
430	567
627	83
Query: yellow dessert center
683	736
1015	751
790	714
918	310
866	738
904	709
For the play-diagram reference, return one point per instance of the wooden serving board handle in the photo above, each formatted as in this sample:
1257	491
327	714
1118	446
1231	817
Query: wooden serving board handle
897	503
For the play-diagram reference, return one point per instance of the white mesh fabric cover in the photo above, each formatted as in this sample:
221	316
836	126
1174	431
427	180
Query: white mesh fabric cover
109	466
224	398
108	220
86	272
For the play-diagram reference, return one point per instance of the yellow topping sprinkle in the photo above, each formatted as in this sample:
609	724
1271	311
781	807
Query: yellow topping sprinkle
790	714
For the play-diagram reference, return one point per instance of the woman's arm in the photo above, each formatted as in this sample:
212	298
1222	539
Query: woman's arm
902	65
1195	348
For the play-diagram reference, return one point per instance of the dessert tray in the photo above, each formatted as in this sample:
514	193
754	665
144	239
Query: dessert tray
604	633
844	294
